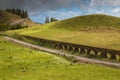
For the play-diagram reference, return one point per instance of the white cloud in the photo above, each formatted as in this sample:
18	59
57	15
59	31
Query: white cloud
100	12
94	11
40	17
98	3
116	10
62	15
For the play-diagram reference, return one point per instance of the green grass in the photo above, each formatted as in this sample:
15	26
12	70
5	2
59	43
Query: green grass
89	22
93	30
7	18
104	39
19	63
30	23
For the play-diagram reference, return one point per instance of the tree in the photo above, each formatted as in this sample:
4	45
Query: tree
26	14
53	19
19	12
47	20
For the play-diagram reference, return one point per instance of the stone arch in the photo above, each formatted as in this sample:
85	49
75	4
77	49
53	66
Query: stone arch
82	50
46	43
113	56
108	55
73	48
92	52
103	54
88	51
99	54
79	50
57	46
118	57
42	42
68	47
95	53
76	50
63	47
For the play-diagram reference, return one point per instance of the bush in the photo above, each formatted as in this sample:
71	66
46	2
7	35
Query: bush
4	27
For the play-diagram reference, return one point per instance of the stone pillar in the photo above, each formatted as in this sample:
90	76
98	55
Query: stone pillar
112	55
103	54
68	48
95	53
88	51
82	51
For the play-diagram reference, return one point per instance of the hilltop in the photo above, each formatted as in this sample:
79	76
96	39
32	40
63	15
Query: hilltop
94	21
8	18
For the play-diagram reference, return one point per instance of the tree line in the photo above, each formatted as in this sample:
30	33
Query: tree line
48	20
5	27
20	12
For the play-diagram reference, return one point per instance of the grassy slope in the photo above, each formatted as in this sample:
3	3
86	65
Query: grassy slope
93	30
6	17
19	63
89	22
30	23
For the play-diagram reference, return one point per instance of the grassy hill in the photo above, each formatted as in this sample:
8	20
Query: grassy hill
93	30
30	23
20	63
7	18
87	22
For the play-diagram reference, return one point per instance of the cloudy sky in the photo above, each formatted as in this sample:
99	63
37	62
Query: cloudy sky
62	9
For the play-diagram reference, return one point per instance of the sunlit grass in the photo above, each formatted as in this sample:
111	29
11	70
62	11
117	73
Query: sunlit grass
93	30
105	39
19	63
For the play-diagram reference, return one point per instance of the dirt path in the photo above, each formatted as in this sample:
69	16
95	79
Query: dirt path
57	52
18	22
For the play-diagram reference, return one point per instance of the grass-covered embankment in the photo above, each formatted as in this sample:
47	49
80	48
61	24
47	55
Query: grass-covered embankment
17	62
93	30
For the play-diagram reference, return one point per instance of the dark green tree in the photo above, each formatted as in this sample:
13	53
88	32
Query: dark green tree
47	20
53	19
19	12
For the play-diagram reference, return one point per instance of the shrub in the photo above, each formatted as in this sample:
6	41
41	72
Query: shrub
4	27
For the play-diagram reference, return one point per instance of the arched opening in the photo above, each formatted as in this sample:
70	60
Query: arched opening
88	52
117	57
108	55
57	46
82	51
63	47
68	48
113	56
103	54
79	50
73	48
92	52
95	53
42	42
